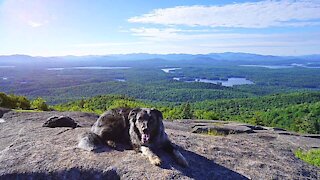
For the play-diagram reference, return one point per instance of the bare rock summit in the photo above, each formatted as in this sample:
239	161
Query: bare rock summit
30	151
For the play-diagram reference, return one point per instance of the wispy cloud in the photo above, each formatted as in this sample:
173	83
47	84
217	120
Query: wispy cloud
176	34
181	40
106	44
35	24
245	15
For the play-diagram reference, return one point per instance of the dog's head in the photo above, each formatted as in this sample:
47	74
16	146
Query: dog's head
146	122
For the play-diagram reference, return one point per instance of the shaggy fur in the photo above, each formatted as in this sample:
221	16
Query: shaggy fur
142	128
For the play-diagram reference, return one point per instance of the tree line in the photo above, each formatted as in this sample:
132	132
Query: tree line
298	112
12	101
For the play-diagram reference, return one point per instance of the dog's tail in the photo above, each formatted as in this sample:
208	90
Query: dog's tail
89	141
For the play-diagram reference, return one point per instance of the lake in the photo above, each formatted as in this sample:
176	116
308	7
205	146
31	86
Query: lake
169	70
228	83
283	66
7	66
99	67
89	68
55	69
120	80
269	67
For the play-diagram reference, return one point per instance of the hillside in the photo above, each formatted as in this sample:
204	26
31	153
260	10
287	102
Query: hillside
296	111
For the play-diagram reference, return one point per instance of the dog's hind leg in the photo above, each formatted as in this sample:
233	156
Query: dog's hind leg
154	159
168	147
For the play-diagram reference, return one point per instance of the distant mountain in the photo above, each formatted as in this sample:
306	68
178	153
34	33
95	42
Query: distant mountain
116	58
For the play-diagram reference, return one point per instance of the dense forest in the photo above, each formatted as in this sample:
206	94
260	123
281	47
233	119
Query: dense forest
298	112
60	80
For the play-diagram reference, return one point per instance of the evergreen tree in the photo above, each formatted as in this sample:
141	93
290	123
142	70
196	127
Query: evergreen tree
186	111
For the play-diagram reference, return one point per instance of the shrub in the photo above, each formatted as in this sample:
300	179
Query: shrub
311	157
39	104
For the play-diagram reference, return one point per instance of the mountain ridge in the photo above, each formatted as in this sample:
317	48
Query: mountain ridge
178	56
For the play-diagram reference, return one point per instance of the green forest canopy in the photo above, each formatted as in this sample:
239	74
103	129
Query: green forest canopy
298	112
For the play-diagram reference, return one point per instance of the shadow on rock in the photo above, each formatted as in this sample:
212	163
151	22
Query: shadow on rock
200	167
102	148
73	173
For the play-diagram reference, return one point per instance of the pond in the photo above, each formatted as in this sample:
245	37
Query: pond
169	70
309	65
120	80
7	66
89	68
228	83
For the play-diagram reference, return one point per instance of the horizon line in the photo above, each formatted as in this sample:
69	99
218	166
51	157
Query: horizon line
194	54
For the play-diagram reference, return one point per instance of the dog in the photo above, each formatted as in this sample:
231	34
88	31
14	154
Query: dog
142	128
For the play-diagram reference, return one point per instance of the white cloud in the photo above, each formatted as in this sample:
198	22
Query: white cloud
173	34
246	15
171	40
106	44
35	24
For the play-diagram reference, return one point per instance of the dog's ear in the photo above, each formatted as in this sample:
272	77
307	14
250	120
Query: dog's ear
157	113
133	113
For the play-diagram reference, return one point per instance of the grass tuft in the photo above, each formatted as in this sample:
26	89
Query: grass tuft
213	132
311	157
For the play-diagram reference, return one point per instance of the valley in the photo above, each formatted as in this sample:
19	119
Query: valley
208	88
163	78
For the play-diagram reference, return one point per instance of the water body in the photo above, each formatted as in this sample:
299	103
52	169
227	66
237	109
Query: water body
55	69
99	67
302	65
88	68
269	67
282	66
121	80
7	66
228	83
169	70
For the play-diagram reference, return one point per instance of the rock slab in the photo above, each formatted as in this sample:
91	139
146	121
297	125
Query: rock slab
62	121
30	151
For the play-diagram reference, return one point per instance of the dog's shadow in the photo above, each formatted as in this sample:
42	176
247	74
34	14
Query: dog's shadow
200	167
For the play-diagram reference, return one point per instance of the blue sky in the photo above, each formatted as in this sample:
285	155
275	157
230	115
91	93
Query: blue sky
98	27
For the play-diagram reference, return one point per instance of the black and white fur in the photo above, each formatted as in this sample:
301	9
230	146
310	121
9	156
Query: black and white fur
142	128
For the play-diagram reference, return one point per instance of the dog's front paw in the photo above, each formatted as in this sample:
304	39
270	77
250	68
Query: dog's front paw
155	160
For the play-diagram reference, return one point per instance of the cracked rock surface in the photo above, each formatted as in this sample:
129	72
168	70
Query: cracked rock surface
30	151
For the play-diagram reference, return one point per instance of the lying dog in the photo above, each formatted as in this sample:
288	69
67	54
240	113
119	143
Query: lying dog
142	128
